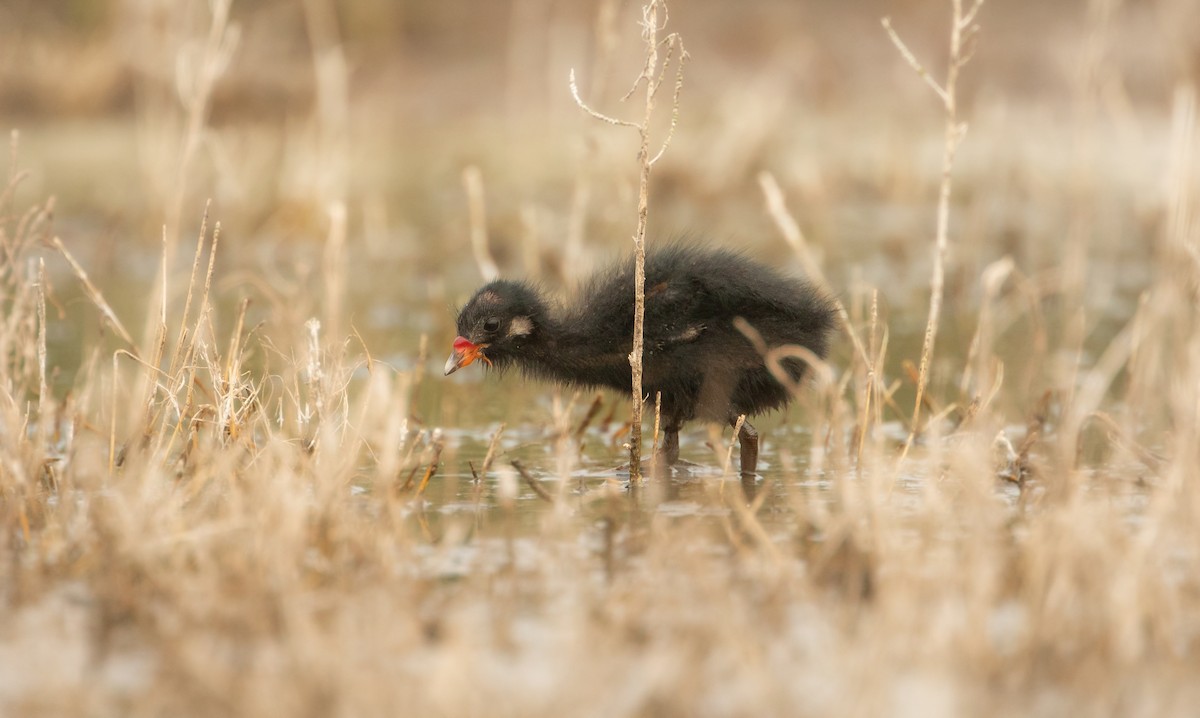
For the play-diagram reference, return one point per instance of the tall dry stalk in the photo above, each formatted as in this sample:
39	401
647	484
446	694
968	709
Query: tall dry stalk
654	19
963	31
196	82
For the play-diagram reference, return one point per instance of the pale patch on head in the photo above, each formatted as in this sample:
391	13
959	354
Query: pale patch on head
689	334
488	297
520	327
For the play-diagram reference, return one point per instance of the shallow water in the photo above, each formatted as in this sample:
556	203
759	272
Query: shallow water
404	280
393	318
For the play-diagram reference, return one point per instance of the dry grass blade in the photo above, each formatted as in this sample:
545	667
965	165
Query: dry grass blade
1150	458
43	387
95	295
488	458
790	228
773	357
915	64
672	41
431	469
160	344
593	113
532	482
230	380
733	442
589	416
657	426
181	341
185	371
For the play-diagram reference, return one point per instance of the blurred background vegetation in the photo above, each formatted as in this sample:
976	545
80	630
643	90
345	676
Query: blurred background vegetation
431	86
381	105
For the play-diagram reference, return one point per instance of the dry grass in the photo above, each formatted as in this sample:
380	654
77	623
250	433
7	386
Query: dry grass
242	510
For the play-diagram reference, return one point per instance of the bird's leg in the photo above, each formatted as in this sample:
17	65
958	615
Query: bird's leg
668	451
749	442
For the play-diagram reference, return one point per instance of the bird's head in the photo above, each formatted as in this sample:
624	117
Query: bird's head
495	324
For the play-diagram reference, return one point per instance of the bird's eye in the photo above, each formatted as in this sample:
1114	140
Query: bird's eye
491	325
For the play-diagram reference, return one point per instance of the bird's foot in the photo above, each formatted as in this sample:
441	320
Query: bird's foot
750	486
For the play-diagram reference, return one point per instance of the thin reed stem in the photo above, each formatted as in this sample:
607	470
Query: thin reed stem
962	31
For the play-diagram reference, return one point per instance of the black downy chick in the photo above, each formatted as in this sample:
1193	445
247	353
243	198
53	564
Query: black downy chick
705	368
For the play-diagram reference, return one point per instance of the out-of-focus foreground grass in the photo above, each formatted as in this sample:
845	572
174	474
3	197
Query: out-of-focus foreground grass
227	486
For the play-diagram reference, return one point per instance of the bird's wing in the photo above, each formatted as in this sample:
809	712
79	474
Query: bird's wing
680	307
674	314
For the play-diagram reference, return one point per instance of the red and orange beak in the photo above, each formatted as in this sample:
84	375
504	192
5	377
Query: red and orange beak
464	353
